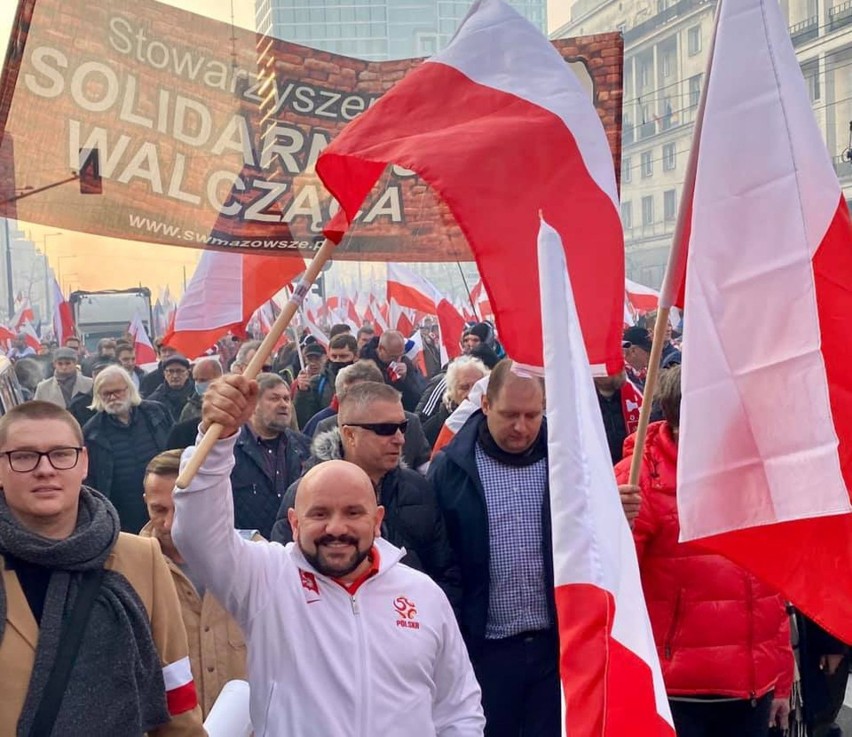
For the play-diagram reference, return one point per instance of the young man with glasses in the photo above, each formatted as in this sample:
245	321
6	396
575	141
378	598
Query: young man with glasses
370	434
58	539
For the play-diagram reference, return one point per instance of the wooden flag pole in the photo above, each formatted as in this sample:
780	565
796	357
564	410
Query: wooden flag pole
214	432
648	394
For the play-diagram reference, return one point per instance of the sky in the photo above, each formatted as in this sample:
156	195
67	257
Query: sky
89	262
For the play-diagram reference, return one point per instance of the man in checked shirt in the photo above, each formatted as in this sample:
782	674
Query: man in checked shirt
492	485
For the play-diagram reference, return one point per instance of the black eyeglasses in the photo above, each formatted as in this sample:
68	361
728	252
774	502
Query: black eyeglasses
385	429
24	461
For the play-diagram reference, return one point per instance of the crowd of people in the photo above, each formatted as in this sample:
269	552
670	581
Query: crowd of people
365	573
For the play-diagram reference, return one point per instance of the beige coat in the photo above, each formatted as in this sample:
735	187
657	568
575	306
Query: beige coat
49	391
144	566
217	648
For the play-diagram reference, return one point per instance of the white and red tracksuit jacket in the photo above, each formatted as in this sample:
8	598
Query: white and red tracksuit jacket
388	660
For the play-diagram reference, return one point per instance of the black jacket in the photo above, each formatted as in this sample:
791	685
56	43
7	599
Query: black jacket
100	434
456	481
317	397
257	496
411	387
174	399
151	382
412	518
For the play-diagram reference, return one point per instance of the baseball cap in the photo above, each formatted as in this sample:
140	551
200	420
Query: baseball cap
313	349
640	337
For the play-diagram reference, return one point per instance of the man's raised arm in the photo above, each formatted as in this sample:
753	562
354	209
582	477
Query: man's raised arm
234	569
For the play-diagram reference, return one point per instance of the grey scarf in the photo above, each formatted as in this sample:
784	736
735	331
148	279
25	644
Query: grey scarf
116	685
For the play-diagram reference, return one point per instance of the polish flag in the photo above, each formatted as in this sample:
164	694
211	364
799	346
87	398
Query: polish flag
314	330
225	290
409	289
479	297
23	313
180	688
641	298
145	352
30	335
451	326
765	453
511	134
461	414
63	319
612	683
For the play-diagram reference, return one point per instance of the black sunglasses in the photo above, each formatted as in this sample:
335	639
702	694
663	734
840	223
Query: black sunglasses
385	429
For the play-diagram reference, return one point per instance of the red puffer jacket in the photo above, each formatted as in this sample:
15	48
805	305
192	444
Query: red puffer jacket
718	630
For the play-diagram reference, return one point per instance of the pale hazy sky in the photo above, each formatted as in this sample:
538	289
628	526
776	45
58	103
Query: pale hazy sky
89	262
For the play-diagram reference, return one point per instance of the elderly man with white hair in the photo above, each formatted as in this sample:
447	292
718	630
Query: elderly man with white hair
461	375
121	438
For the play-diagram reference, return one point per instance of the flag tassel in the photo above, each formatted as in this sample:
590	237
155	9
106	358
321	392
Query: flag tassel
281	323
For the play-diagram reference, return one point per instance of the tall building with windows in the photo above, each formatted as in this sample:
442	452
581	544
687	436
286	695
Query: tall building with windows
666	44
374	29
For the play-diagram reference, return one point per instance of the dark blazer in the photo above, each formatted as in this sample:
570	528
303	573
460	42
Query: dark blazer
256	494
456	481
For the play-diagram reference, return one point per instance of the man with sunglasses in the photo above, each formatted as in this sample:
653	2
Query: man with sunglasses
60	544
371	434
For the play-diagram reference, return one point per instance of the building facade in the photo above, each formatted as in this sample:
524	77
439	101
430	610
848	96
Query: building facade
374	29
31	275
666	45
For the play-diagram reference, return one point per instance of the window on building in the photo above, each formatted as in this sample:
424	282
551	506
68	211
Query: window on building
627	215
647	164
669	204
695	90
810	72
668	64
669	157
644	74
427	44
648	210
626	169
693	40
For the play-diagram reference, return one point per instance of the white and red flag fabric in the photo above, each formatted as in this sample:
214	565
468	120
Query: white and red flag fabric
765	451
612	683
63	318
23	312
222	295
512	133
409	289
142	346
641	298
314	330
30	335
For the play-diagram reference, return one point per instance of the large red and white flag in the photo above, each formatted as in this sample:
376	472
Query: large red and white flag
222	295
142	346
63	318
30	335
612	683
409	289
512	133
765	453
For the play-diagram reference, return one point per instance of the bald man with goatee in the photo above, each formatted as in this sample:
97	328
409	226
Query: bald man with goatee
331	616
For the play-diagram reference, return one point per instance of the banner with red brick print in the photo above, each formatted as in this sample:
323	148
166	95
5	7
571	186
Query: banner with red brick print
137	120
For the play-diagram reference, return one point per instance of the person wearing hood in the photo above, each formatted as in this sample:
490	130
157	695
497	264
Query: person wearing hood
370	434
342	352
388	353
177	386
203	372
